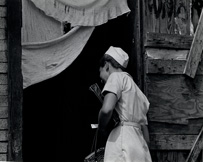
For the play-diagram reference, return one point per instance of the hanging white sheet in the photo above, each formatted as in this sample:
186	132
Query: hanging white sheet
43	60
36	26
83	12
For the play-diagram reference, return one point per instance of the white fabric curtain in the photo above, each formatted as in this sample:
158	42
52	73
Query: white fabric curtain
44	60
37	26
83	12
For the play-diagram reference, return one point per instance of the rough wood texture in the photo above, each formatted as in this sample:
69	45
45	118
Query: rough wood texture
194	56
173	41
174	98
192	128
171	142
166	54
196	148
159	66
15	81
167	16
169	156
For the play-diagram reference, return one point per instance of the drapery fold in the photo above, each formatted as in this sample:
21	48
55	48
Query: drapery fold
83	13
44	60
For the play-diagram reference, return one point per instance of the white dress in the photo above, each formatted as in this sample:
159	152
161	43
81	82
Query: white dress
126	142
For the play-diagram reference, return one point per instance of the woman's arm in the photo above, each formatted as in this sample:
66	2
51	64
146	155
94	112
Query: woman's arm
145	132
106	111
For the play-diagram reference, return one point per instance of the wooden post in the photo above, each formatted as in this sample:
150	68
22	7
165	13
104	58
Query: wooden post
194	56
15	82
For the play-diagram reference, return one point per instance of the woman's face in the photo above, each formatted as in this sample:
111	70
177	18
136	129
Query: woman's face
104	73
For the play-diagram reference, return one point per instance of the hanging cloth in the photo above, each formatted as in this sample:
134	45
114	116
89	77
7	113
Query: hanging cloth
44	60
36	26
83	12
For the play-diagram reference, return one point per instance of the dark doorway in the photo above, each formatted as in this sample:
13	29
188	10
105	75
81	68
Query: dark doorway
58	112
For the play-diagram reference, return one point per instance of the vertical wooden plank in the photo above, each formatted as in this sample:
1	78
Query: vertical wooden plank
196	148
15	82
194	56
136	61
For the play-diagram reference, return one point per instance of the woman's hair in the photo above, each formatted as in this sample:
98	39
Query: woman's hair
114	63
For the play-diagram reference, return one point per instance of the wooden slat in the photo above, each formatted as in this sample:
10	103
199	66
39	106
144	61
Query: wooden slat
169	155
166	54
159	66
174	41
171	142
174	98
196	148
194	56
192	128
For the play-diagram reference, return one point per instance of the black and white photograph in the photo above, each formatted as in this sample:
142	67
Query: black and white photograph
101	80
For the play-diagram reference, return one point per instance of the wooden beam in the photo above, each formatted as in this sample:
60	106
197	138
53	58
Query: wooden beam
171	142
196	148
174	41
15	79
194	56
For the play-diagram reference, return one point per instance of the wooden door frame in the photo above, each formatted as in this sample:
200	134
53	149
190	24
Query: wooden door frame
137	50
15	80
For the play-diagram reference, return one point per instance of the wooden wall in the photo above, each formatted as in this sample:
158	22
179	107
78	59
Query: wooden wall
172	17
176	100
3	84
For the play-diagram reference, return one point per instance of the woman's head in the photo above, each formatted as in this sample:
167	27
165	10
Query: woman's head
114	57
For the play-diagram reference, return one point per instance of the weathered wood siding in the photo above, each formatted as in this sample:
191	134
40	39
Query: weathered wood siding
3	83
176	100
171	17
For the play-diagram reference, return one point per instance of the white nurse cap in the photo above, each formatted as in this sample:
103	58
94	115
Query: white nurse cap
119	55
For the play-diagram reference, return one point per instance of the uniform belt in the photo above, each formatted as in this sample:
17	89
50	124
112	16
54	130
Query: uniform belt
122	123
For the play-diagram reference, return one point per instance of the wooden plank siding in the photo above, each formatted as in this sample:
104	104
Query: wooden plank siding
171	17
3	83
176	111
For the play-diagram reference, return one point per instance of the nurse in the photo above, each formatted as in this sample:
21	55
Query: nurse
128	141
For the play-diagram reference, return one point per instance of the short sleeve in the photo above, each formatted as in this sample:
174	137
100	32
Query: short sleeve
113	85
